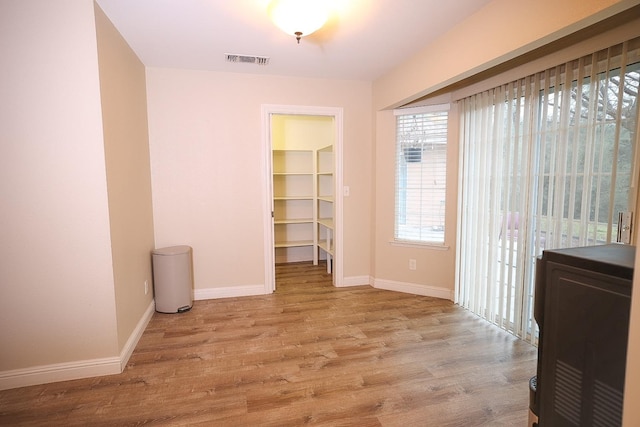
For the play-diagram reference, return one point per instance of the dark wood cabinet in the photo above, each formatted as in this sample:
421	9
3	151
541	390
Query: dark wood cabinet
582	307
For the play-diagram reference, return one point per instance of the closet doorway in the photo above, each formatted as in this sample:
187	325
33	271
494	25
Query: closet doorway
303	173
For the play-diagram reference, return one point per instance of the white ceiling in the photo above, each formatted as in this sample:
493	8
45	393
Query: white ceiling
362	40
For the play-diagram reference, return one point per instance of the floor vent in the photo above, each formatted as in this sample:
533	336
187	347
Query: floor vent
247	59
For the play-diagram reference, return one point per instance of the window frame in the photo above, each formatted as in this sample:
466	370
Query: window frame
426	241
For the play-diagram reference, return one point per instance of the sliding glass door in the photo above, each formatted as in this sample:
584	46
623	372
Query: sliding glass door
547	162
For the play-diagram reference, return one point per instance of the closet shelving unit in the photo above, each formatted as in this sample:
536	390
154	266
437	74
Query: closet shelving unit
293	198
303	201
324	200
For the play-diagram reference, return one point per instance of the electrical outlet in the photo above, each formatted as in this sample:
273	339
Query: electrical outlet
146	287
412	264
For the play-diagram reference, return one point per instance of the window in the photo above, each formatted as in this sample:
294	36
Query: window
421	166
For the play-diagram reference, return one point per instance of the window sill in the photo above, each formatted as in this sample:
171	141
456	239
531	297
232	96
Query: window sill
426	245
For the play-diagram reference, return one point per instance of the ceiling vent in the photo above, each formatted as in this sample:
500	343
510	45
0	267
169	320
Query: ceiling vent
247	59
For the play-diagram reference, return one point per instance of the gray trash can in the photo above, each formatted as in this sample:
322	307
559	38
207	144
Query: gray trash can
173	279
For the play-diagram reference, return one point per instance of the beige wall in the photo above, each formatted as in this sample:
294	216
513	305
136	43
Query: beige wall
57	302
126	146
502	30
207	166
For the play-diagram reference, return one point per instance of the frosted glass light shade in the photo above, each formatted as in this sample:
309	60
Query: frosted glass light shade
298	17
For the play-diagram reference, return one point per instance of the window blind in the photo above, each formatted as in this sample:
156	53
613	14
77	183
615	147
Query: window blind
546	162
421	160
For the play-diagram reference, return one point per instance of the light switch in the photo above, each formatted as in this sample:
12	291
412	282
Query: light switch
346	191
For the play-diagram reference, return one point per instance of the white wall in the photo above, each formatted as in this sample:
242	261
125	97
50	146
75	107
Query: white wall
207	167
57	301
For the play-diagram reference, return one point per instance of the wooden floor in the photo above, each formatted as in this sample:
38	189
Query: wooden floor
310	354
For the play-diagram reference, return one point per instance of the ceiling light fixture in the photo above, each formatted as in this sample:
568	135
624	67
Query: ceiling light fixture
299	18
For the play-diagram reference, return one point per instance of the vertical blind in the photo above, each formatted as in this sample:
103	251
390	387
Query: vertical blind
421	162
546	162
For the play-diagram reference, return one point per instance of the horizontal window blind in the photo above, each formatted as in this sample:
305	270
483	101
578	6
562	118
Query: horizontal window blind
421	166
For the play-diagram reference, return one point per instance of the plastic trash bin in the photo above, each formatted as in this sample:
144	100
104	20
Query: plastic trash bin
173	279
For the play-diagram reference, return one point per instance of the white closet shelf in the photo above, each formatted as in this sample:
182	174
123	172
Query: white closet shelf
293	198
294	244
293	221
327	222
324	247
303	188
293	173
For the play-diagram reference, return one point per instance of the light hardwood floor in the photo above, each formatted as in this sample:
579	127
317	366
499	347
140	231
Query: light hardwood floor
310	354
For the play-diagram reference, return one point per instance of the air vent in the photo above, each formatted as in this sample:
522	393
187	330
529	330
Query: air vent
247	59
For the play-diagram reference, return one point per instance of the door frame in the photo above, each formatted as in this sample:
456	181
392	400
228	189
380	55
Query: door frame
269	251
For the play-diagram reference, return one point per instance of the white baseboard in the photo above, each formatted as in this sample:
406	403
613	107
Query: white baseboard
77	369
131	343
228	292
283	259
413	288
409	288
59	372
355	281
